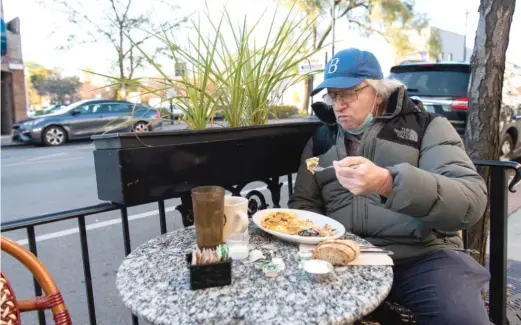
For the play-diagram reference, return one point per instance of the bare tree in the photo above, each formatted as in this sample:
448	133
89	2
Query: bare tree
115	21
485	96
388	18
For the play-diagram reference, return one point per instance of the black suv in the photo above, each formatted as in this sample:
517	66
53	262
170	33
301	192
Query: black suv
443	86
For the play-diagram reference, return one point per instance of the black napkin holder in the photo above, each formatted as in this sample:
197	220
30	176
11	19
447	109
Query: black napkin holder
209	275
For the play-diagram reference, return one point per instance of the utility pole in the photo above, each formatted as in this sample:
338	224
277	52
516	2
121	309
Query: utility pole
333	14
465	37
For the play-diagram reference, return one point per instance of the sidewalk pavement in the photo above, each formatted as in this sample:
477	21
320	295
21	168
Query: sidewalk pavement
514	233
7	142
513	268
514	200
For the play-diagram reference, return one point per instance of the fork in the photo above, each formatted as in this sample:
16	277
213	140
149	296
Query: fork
320	168
375	251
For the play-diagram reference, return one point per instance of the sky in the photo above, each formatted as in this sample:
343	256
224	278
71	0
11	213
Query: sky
44	30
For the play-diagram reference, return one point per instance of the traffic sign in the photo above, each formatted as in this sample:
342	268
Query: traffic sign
310	65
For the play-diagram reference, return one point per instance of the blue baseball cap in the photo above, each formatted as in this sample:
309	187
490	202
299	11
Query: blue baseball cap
348	68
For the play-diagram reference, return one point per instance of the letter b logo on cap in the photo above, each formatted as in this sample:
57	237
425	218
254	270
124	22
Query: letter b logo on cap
333	66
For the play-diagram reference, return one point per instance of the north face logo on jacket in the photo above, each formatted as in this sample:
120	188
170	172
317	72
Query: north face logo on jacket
407	134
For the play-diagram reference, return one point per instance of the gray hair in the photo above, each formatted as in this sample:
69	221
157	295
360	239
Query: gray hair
384	87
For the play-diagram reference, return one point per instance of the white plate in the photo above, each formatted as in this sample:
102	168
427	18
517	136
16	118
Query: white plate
316	218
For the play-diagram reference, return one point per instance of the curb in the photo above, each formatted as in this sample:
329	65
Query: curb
7	143
15	145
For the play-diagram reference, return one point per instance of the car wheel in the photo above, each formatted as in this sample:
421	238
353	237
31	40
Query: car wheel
54	136
507	147
141	127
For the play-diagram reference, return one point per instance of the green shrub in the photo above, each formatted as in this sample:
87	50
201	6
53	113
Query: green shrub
283	111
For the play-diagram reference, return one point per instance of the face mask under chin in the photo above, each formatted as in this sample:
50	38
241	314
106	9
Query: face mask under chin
368	121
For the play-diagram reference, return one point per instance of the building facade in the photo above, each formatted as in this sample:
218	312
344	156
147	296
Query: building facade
13	93
435	44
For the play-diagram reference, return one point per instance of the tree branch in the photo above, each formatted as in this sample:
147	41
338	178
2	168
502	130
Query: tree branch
369	29
115	11
351	6
136	44
149	36
324	35
132	67
126	10
75	12
122	24
314	35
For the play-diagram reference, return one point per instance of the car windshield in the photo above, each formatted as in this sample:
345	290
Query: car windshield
433	80
67	108
52	108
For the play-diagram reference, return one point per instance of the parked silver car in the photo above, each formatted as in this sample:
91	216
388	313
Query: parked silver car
85	118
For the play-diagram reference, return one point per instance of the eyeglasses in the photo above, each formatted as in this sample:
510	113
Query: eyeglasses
346	96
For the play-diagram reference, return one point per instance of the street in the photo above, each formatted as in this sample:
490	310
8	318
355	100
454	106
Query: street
40	180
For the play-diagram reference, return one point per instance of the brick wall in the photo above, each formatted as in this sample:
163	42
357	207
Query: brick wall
19	100
13	63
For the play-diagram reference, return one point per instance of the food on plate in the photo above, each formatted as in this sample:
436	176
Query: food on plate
311	163
324	231
337	252
285	222
288	222
309	233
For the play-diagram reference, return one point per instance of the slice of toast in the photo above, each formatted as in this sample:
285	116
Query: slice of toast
347	242
339	254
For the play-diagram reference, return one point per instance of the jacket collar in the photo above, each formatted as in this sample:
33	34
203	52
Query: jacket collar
399	103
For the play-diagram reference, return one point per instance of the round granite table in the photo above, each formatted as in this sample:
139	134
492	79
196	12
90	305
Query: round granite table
154	284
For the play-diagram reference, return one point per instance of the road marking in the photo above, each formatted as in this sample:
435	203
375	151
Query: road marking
111	222
85	148
102	224
47	156
24	163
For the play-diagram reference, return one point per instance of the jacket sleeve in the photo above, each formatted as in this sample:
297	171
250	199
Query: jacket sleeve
307	194
445	191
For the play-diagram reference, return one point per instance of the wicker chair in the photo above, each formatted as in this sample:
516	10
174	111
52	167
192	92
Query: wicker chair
11	307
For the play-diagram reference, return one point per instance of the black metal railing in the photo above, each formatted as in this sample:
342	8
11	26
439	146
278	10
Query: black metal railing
30	223
498	196
80	214
498	188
